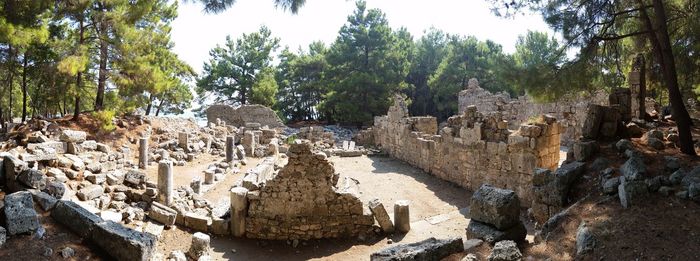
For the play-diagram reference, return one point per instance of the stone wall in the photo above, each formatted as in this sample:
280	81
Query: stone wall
244	114
569	111
473	148
303	201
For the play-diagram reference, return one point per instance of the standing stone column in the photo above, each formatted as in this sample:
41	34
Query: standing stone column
209	177
230	140
239	208
637	81
402	221
143	152
183	140
165	182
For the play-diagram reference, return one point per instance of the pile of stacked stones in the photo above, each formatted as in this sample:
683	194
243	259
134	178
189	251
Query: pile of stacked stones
318	136
495	215
550	189
301	201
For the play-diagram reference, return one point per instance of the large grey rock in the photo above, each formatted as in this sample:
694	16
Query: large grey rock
610	185
624	145
694	192
631	191
633	169
671	164
677	177
13	167
692	177
20	215
75	217
592	122
585	239
90	192
57	146
506	250
32	178
123	243
426	250
72	136
495	206
3	236
379	212
655	143
584	150
134	178
162	214
491	234
55	189
45	201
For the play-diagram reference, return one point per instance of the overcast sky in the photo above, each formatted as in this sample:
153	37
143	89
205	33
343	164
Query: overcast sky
195	33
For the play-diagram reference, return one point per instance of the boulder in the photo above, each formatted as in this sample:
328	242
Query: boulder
677	177
75	217
655	143
123	243
592	122
488	233
379	212
690	178
694	192
584	150
624	145
162	214
506	250
429	249
72	136
585	239
32	178
134	178
610	185
90	192
633	169
631	191
633	130
20	216
495	206
55	189
46	201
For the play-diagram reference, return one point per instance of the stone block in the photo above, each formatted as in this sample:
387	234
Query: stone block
220	226
495	206
631	191
162	214
381	216
429	249
32	178
584	150
506	250
20	216
197	222
45	201
75	217
90	192
123	243
633	169
72	136
491	234
134	178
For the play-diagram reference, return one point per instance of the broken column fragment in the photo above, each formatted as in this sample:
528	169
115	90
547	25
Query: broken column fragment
239	209
381	216
402	219
165	182
143	153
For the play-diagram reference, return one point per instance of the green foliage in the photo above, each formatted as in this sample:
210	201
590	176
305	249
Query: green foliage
300	77
368	62
233	69
105	120
264	89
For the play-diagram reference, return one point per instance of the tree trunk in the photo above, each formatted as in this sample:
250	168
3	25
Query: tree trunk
160	106
78	82
662	49
150	104
10	80
24	88
102	78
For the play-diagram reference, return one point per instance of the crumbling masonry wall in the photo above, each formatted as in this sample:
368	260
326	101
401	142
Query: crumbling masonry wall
303	201
569	111
244	114
473	148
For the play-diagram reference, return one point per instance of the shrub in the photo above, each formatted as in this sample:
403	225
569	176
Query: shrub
104	119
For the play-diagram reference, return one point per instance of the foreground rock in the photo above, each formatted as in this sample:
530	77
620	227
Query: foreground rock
20	214
505	250
585	240
123	243
427	250
495	215
76	218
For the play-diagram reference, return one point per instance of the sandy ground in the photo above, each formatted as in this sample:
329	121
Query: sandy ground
438	209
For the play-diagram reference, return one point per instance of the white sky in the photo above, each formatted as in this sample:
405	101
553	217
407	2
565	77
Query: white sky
195	33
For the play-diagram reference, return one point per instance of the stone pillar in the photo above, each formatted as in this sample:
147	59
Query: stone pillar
199	246
208	177
143	152
165	182
183	140
637	81
248	142
380	214
402	220
230	148
239	209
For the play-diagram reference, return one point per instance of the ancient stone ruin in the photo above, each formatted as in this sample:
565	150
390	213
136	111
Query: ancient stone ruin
305	200
473	148
241	115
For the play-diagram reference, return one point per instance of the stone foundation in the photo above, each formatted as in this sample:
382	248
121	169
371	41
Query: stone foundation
244	114
304	201
473	149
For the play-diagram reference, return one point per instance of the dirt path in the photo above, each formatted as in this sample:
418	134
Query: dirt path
438	209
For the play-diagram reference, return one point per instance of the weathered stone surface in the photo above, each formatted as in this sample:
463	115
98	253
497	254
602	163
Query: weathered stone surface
13	167
655	143
585	239
694	192
97	178
90	192
45	201
690	178
111	216
491	234
381	216
57	146
33	179
123	243
623	145
199	246
76	218
584	150
633	169
506	250
162	214
177	255
20	215
55	189
426	250
610	185
244	114
631	191
197	222
495	206
633	130
134	178
220	226
72	136
3	236
593	120
402	216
